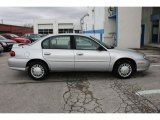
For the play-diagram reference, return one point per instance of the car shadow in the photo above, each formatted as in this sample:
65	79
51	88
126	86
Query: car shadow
23	78
80	75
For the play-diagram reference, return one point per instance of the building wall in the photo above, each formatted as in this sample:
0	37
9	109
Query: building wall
129	27
43	22
18	30
94	23
126	25
55	23
109	27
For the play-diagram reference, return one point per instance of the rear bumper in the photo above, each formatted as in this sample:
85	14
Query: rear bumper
143	65
17	64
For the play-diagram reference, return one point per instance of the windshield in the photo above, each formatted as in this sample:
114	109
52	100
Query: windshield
14	36
2	38
104	44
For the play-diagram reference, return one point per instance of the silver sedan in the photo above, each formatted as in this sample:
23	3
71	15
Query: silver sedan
74	52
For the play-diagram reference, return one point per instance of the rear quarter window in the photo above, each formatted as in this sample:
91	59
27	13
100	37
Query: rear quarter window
45	43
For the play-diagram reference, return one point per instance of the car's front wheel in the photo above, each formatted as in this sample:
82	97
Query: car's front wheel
38	70
124	69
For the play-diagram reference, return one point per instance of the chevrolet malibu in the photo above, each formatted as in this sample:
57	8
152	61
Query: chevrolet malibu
74	52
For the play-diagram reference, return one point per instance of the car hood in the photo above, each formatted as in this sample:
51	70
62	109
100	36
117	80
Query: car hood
20	39
7	40
127	52
123	50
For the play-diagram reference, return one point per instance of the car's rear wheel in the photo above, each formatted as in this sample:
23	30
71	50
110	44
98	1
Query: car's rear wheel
38	70
124	69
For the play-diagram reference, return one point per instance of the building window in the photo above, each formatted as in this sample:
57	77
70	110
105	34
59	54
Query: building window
77	31
65	30
45	31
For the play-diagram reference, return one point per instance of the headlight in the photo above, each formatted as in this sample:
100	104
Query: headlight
4	44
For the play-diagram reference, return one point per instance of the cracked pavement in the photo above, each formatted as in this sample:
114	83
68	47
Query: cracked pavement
131	102
79	92
79	98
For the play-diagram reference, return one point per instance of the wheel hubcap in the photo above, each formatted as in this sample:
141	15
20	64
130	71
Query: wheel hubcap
37	71
125	70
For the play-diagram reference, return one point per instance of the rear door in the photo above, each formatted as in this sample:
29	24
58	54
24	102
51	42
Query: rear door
88	57
58	53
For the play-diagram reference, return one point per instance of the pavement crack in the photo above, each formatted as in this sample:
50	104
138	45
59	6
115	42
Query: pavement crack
131	102
78	97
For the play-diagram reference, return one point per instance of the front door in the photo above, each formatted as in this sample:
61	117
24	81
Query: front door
88	57
58	53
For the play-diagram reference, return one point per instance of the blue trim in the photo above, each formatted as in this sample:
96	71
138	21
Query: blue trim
98	31
101	36
94	31
117	27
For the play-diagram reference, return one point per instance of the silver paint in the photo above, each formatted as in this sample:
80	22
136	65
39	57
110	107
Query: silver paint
73	60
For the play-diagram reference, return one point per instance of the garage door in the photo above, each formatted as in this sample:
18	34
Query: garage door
65	26
45	26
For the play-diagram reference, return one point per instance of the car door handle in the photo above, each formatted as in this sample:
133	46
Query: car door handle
79	54
47	53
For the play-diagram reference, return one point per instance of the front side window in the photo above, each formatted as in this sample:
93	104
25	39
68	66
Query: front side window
60	42
84	43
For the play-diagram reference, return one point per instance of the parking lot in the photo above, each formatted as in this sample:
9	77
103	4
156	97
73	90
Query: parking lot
89	92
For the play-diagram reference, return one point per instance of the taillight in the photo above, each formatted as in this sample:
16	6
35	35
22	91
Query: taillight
12	53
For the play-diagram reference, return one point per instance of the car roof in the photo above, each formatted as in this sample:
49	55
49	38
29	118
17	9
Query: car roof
63	34
33	33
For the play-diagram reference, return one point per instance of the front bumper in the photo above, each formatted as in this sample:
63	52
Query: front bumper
17	64
143	64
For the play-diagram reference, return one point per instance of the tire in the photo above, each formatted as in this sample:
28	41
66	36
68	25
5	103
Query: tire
38	71
124	69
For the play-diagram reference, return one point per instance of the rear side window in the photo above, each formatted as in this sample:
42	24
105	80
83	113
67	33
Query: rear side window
60	42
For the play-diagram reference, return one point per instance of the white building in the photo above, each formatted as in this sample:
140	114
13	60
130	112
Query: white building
55	26
127	27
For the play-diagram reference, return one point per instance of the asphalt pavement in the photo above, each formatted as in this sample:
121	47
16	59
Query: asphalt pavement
81	92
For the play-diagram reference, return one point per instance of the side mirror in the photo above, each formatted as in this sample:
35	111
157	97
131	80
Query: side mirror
100	48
